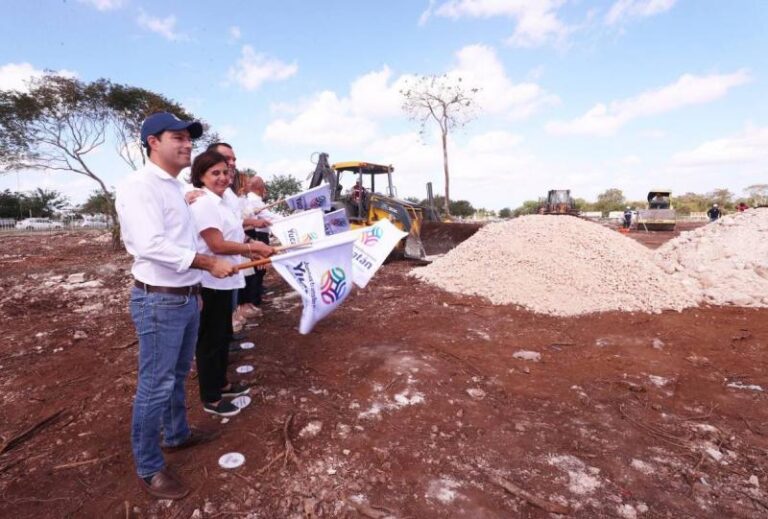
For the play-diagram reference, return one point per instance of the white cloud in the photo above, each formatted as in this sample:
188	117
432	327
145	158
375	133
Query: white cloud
493	142
104	5
479	66
605	119
623	10
227	132
253	69
654	134
165	27
750	146
375	96
536	21
372	95
16	76
235	33
327	120
630	160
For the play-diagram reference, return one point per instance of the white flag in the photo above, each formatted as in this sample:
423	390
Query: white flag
322	275
336	222
317	197
371	248
299	227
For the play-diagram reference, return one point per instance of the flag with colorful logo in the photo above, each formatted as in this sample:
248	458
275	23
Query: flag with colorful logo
336	222
301	227
316	198
322	275
371	248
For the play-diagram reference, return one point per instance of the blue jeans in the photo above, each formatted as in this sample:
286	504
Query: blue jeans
166	325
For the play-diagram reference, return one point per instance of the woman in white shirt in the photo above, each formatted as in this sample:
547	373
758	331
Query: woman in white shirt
222	235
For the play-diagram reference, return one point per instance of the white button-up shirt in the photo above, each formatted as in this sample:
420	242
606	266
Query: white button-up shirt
211	211
157	228
254	203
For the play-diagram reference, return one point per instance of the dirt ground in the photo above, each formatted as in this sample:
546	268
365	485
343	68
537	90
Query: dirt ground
407	402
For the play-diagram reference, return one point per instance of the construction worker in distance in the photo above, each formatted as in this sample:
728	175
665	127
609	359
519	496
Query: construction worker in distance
627	217
713	213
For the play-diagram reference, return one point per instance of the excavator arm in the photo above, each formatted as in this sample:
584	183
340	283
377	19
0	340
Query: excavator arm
324	172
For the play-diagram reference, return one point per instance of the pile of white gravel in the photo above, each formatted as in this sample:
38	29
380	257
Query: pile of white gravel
559	266
723	263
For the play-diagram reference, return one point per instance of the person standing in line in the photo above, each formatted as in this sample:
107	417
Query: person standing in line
241	312
627	217
159	233
255	206
222	235
714	213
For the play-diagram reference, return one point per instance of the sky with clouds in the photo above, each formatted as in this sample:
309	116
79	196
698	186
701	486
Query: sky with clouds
579	94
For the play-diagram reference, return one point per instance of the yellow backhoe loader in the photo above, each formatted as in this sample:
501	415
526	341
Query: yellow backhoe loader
372	197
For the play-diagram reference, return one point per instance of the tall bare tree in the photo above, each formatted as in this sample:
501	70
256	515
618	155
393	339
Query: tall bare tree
446	101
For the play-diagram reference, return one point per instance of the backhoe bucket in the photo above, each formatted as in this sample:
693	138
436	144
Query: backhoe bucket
440	237
414	249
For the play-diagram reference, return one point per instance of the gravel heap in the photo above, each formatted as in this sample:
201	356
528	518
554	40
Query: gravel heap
559	266
724	263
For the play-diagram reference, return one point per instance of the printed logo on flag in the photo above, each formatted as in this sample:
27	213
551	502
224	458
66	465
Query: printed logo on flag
333	285
317	202
310	236
371	236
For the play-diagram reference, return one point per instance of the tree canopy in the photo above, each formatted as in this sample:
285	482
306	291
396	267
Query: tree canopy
461	208
60	121
610	200
97	203
281	186
36	203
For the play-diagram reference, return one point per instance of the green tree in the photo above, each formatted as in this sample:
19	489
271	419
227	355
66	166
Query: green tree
128	106
610	200
97	203
445	101
505	212
281	186
11	204
42	202
582	205
757	194
457	207
528	207
688	203
482	212
59	123
461	208
722	197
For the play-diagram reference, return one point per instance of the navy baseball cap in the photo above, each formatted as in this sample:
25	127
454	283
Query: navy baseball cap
163	121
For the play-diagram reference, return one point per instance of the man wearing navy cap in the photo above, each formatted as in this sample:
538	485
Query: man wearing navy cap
158	232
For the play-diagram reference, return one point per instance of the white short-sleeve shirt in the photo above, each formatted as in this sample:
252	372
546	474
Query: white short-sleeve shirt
211	212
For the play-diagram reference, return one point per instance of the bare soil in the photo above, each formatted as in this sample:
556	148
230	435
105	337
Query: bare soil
655	239
440	237
406	402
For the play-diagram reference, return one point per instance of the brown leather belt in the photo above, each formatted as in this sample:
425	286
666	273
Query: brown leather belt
181	291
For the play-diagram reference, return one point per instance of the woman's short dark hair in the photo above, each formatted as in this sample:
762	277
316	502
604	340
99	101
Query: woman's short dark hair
202	163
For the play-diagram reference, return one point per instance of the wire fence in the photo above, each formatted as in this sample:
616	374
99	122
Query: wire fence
41	225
